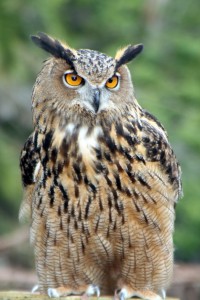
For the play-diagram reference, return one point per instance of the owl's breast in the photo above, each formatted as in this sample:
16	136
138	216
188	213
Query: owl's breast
101	182
73	158
88	142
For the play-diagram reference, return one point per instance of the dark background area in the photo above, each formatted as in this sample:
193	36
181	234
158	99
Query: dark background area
166	79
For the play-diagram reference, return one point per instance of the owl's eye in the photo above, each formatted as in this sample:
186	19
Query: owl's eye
72	79
112	82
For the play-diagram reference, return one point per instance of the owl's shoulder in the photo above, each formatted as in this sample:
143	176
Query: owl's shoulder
158	150
29	160
143	140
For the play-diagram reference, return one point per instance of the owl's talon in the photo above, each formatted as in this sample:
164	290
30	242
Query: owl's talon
93	290
120	294
163	294
53	293
124	293
34	289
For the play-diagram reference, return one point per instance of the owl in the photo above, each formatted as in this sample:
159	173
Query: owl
100	179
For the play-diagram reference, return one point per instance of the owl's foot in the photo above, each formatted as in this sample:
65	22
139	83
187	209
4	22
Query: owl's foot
35	289
85	291
126	292
92	289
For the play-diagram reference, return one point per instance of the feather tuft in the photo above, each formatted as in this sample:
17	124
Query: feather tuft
126	54
54	47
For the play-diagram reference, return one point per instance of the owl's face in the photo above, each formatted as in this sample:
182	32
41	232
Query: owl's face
83	82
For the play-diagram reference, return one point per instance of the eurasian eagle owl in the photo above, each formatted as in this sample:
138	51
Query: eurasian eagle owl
100	179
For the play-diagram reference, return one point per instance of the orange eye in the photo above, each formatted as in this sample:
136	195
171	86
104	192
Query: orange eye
73	79
112	82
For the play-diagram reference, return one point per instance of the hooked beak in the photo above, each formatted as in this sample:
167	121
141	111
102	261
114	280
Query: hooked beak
96	99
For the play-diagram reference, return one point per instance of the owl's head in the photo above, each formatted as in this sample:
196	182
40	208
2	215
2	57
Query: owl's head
76	83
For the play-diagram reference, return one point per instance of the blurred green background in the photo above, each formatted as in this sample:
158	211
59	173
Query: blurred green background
166	78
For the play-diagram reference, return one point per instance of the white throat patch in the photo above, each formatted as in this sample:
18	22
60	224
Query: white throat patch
88	142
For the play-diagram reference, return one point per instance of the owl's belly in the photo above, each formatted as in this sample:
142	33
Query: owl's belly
88	233
100	218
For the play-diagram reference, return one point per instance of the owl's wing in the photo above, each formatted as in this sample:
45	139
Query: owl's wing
29	164
158	149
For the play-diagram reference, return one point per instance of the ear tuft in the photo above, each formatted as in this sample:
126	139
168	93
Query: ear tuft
54	47
126	54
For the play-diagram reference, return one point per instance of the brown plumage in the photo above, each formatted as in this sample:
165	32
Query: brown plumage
100	178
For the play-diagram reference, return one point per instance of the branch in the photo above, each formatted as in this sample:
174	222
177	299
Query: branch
24	296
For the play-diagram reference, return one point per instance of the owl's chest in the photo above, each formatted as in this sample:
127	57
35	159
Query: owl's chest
78	151
88	159
88	143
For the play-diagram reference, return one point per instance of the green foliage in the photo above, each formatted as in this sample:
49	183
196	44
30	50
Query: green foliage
166	78
10	191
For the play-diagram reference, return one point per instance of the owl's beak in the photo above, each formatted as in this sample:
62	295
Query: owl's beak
96	99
